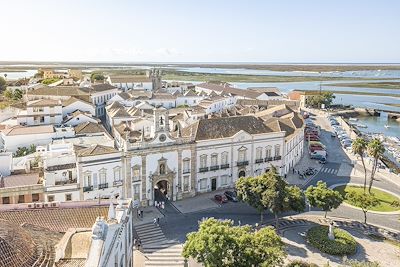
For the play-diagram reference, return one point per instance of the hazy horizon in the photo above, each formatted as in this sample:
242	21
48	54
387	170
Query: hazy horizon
309	31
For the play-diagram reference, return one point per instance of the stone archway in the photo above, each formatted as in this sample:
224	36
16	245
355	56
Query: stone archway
161	190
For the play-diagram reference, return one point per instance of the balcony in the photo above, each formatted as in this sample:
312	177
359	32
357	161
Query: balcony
259	160
186	171
268	159
242	163
214	168
117	183
102	186
224	166
88	188
203	169
278	158
64	182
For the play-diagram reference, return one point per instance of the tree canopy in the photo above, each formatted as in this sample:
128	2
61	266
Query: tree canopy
326	98
359	148
322	197
270	192
96	76
2	84
219	243
362	200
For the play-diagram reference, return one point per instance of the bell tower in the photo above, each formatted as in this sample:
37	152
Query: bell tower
161	120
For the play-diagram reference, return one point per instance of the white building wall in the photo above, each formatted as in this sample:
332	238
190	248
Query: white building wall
82	106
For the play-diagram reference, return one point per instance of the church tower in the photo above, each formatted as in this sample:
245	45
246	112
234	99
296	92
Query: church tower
161	120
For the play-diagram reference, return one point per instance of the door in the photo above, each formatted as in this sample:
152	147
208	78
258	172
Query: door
213	184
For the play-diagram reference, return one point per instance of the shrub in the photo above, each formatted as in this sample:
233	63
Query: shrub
300	263
344	243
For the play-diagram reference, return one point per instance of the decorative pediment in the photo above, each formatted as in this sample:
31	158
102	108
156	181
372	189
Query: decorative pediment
242	136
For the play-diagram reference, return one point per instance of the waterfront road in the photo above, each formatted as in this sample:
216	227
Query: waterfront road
338	169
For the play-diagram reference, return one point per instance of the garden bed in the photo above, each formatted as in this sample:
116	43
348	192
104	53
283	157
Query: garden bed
343	244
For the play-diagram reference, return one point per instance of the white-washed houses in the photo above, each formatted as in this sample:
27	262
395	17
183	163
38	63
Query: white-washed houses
99	171
40	112
73	104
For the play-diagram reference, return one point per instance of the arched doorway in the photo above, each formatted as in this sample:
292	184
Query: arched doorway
161	190
242	173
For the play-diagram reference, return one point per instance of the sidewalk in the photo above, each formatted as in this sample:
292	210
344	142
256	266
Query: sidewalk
204	201
304	163
149	213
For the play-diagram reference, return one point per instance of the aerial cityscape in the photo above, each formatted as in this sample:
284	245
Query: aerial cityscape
213	133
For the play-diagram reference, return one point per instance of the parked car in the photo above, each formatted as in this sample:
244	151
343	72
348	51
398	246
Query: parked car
221	198
322	161
231	195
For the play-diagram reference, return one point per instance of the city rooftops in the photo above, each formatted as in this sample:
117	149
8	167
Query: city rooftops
28	130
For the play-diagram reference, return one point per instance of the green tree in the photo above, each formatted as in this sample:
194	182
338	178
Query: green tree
2	84
363	201
17	95
270	191
96	76
219	243
322	197
359	147
327	98
375	149
8	94
50	80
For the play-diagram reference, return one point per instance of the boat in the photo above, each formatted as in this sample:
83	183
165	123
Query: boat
362	125
387	126
353	119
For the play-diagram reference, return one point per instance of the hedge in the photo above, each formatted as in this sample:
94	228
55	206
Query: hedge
300	263
344	243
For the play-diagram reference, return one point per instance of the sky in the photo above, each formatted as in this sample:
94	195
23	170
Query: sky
296	31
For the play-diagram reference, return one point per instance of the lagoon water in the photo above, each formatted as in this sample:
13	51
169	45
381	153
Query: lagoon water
365	101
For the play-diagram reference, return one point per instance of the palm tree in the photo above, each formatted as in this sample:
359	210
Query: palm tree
375	149
359	147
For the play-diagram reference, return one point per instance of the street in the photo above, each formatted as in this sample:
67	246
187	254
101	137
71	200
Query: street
338	169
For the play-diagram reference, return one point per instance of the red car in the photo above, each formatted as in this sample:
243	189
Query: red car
221	198
312	138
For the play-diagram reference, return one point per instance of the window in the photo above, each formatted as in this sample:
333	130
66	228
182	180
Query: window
203	161
242	154
35	197
38	109
224	158
136	173
214	159
21	199
277	150
268	152
186	165
68	197
203	184
50	198
117	174
6	200
186	183
258	153
225	180
103	176
87	177
136	191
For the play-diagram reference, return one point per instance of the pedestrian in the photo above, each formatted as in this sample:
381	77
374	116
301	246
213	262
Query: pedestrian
156	203
141	214
158	221
138	213
239	223
293	170
139	244
155	221
163	205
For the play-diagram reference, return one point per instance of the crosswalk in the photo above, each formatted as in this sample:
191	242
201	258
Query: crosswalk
329	170
158	250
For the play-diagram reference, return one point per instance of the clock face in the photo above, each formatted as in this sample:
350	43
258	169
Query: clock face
162	138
